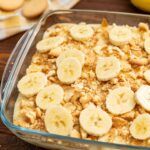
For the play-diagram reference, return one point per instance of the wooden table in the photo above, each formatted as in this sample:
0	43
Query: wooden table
7	140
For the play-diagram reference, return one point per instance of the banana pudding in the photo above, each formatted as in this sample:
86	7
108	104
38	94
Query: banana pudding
89	81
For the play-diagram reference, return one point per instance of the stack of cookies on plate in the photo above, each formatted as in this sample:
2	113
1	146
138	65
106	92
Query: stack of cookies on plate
20	15
29	8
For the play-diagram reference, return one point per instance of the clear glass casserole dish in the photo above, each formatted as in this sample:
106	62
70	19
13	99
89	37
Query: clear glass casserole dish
20	60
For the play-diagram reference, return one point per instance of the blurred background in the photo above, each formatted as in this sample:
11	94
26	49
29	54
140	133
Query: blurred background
17	16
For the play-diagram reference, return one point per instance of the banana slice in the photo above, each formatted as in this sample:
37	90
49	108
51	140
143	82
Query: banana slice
69	70
46	45
140	127
81	32
71	53
147	75
147	45
142	97
17	108
120	35
52	94
120	100
107	68
95	121
32	83
22	103
58	120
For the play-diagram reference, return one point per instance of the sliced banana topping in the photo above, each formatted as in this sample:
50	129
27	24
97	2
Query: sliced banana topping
120	35
147	45
58	120
69	70
46	45
52	94
120	100
140	127
107	68
142	97
78	67
71	53
81	32
32	83
95	121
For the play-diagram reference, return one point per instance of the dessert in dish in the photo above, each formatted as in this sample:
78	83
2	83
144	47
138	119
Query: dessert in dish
89	81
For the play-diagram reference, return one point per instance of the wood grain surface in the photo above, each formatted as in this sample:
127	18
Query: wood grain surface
8	141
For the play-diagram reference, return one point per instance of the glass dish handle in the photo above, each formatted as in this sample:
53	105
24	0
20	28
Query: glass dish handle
11	63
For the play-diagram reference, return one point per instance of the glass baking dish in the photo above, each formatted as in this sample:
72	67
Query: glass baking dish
21	58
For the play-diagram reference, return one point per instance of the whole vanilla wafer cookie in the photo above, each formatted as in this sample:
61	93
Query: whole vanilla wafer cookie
10	5
34	8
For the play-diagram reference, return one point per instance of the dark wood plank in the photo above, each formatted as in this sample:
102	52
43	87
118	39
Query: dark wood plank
8	141
6	47
112	5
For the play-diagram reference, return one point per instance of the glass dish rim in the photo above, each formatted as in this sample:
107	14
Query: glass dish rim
11	126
